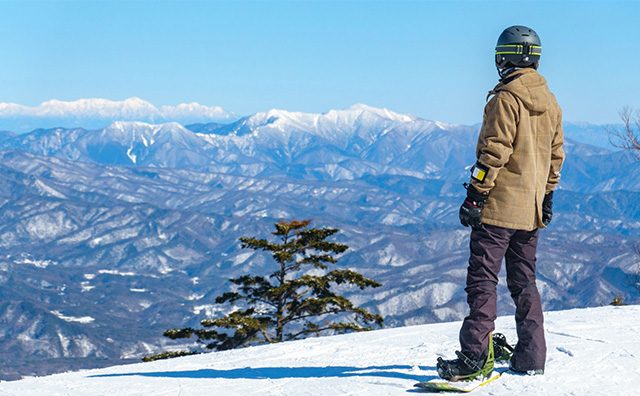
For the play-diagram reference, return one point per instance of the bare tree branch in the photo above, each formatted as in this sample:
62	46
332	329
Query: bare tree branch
628	137
635	278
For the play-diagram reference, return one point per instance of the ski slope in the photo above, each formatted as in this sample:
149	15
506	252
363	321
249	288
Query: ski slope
593	351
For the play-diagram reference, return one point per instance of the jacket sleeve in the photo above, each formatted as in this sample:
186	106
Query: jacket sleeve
557	156
495	143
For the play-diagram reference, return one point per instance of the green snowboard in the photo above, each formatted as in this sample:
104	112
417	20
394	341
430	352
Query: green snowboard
440	385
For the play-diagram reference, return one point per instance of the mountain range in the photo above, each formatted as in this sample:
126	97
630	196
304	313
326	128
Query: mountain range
98	113
108	237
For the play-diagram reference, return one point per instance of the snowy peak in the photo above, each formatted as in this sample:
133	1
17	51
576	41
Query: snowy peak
356	119
382	113
356	113
11	109
97	113
273	115
87	108
148	144
184	109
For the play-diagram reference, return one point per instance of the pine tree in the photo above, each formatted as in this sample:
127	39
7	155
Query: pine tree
618	301
288	304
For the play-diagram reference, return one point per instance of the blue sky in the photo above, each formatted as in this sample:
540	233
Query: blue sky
433	59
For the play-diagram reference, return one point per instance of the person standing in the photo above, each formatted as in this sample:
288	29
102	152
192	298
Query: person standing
509	199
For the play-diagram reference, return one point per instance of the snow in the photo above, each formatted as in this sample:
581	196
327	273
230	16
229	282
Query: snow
209	310
591	351
131	155
242	258
47	190
97	107
194	296
26	259
382	113
83	319
114	272
47	226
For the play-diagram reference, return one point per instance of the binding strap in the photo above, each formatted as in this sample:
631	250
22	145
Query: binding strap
468	362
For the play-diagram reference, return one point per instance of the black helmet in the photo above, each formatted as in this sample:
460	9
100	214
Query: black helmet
518	46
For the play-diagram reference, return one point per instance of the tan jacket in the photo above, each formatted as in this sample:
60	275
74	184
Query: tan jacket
520	144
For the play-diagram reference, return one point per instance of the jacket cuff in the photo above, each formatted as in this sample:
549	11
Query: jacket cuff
475	195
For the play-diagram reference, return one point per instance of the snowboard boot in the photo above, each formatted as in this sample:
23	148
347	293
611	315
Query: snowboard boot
516	370
525	372
466	367
501	348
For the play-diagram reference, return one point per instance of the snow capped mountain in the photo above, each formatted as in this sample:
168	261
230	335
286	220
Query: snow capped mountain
97	113
121	143
357	121
185	110
358	140
87	108
382	362
337	145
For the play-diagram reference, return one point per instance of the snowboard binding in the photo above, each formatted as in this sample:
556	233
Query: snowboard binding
466	367
501	348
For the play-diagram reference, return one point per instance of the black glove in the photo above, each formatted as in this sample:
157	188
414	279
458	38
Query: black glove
471	209
547	209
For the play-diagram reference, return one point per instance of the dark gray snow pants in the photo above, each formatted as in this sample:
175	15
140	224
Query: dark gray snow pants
489	244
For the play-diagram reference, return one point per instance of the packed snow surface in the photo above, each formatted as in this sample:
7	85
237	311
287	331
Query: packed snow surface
592	351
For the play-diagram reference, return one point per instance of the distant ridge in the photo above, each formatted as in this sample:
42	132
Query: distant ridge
98	113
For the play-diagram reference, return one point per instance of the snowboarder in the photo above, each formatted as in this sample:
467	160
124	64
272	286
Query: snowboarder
509	198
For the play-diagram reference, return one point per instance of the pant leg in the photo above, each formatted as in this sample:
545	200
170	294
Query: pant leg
488	246
531	350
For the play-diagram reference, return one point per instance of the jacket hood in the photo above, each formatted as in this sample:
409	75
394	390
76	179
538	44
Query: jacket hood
529	86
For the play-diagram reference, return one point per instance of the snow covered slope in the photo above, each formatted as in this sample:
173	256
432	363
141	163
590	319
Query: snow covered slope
590	352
